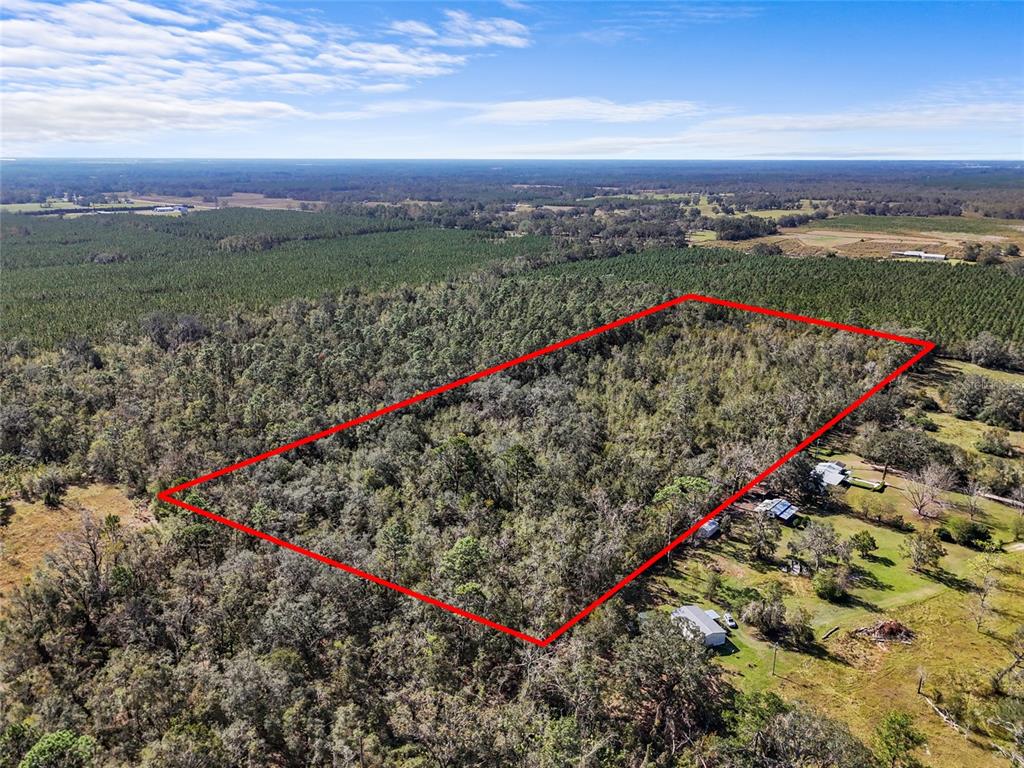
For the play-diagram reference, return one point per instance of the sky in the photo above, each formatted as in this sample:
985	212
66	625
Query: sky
513	79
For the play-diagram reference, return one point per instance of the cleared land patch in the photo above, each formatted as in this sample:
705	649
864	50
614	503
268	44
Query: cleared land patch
33	530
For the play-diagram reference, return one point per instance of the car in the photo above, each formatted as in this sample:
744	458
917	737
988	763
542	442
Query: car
729	621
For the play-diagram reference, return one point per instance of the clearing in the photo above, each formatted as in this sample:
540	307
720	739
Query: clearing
31	530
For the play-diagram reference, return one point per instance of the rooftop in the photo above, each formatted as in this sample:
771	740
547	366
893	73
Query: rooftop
696	615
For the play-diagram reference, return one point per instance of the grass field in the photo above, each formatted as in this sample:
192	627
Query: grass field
56	206
918	224
851	678
1007	377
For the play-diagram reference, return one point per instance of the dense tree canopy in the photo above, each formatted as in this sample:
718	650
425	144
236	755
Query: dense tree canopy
520	497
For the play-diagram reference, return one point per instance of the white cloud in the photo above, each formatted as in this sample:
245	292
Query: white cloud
918	128
384	87
582	110
80	116
413	29
230	61
461	30
528	112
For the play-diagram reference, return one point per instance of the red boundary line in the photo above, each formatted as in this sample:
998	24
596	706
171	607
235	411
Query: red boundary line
168	495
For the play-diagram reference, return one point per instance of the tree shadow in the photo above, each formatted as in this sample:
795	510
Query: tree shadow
856	601
880	560
820	651
936	375
865	578
950	580
1008	613
736	597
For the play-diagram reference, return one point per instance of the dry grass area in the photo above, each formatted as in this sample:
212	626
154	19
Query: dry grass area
811	241
32	530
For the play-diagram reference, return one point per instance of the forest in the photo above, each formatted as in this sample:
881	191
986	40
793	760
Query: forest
138	351
888	188
86	278
518	497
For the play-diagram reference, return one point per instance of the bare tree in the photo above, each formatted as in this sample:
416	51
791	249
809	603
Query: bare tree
924	490
978	610
975	492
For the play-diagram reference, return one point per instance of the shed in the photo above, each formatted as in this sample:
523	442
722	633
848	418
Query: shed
709	530
709	630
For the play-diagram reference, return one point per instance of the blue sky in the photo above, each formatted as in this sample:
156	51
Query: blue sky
239	78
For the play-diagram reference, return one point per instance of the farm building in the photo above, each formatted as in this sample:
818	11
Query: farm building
920	255
709	530
702	622
780	509
831	473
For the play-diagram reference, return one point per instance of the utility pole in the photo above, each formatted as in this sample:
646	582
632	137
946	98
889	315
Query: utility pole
775	657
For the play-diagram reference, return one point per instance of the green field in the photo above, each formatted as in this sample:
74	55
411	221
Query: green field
56	206
846	674
915	224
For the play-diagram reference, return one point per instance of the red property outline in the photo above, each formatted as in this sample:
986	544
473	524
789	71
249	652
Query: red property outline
168	495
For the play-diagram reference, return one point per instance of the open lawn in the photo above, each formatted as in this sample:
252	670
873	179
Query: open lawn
775	213
235	200
702	236
1007	377
56	206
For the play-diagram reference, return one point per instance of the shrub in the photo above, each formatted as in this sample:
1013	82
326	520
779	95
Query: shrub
967	533
827	586
61	749
995	442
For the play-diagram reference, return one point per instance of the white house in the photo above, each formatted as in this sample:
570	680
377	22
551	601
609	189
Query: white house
831	473
701	622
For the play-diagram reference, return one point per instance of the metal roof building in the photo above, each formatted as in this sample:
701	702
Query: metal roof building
831	472
920	255
777	508
710	630
708	530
